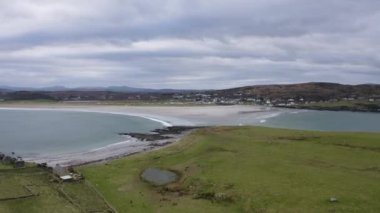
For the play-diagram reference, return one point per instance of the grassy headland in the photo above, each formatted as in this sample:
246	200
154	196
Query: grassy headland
356	106
250	169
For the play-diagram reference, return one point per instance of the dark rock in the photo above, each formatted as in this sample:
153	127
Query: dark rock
161	134
148	137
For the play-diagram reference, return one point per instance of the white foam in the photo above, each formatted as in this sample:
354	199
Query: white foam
130	141
165	123
271	115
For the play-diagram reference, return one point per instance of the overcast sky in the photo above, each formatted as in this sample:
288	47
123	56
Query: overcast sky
188	44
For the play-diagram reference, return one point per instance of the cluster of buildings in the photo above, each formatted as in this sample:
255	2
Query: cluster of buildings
239	98
66	174
17	162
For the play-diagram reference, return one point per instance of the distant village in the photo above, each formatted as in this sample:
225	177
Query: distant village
292	96
239	98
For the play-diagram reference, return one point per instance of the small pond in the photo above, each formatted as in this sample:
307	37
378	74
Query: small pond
158	176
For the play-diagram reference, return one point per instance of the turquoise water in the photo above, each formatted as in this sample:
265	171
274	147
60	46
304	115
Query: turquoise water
35	132
325	121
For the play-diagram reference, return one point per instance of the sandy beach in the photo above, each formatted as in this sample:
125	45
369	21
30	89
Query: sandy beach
166	115
106	153
170	115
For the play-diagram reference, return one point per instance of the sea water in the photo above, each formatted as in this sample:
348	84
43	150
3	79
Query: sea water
33	132
323	120
36	132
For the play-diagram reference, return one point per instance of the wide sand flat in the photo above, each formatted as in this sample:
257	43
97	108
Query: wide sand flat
174	115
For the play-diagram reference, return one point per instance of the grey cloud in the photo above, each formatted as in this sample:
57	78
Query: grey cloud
188	44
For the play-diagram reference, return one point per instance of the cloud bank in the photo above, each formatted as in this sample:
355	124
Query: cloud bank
188	44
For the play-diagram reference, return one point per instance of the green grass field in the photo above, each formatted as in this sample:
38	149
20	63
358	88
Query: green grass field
357	105
223	169
250	169
31	190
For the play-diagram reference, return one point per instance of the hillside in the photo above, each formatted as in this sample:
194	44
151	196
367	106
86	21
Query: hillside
307	91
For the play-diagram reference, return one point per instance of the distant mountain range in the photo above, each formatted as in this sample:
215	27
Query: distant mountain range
123	89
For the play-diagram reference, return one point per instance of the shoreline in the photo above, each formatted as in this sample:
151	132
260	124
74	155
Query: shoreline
110	152
172	116
167	116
